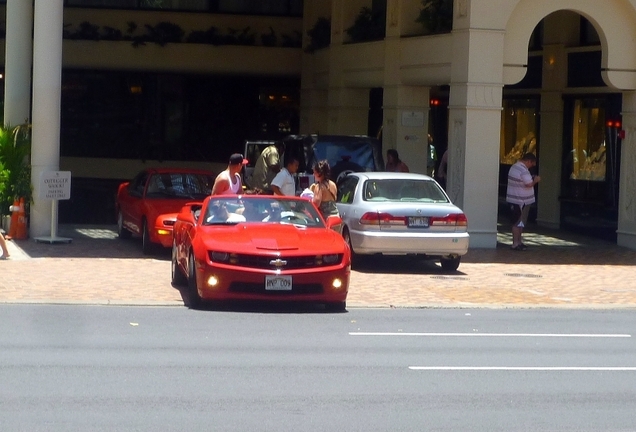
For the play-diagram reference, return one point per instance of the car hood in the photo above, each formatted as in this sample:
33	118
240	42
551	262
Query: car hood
254	238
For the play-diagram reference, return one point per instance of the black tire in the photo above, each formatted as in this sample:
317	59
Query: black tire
336	306
195	300
178	278
450	264
122	232
147	246
355	258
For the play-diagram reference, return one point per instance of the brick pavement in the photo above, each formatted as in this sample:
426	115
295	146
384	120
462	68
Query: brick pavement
558	270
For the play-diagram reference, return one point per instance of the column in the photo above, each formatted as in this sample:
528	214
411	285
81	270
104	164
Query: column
47	75
405	125
474	130
627	194
405	108
551	134
18	57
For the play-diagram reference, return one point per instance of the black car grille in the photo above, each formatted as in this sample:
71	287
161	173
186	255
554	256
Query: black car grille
280	263
259	288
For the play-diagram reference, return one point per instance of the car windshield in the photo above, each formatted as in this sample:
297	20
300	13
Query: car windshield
259	209
179	185
403	190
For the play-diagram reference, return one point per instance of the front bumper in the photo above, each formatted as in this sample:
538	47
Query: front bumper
239	283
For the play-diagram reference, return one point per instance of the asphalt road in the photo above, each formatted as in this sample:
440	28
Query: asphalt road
96	368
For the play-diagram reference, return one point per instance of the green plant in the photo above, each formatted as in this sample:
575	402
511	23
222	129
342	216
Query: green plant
436	16
270	38
15	173
164	32
239	37
209	36
319	35
368	26
294	40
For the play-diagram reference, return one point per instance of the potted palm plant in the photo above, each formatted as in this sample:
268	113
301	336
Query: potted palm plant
15	166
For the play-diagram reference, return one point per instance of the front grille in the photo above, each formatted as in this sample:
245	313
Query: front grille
279	263
259	288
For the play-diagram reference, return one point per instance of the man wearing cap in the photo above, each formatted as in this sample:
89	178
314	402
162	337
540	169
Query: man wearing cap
228	182
269	164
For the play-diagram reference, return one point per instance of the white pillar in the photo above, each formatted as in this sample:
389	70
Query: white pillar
474	130
47	83
17	64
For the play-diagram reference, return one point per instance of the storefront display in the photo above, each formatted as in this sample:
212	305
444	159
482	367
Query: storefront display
518	129
588	155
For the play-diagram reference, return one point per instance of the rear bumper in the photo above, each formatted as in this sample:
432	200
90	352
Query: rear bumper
392	243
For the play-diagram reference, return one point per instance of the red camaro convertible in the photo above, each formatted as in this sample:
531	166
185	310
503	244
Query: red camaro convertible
147	206
256	247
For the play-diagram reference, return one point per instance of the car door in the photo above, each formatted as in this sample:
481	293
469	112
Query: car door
345	199
132	206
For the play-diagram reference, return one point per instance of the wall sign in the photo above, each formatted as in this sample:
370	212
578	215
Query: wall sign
413	118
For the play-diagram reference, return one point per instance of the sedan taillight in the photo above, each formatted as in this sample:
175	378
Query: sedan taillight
457	219
378	218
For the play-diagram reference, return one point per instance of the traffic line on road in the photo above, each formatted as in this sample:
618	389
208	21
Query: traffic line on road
529	368
547	335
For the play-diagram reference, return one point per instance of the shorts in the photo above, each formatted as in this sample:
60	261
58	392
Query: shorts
519	214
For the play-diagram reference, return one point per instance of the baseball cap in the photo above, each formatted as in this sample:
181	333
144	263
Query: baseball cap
237	159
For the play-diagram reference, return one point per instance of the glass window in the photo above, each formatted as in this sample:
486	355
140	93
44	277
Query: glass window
588	140
346	190
252	7
518	129
403	190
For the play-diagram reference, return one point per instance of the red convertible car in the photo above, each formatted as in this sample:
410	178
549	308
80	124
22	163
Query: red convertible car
147	206
257	247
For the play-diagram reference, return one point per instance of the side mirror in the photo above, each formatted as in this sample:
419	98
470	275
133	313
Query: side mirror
187	214
333	221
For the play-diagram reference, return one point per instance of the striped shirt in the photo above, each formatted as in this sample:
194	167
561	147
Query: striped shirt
519	178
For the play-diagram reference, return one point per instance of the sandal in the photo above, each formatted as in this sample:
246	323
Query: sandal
519	247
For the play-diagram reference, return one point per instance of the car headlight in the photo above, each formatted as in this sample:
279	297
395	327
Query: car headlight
219	256
331	258
223	257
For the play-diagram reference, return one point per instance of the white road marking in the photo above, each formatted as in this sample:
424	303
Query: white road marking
555	335
529	368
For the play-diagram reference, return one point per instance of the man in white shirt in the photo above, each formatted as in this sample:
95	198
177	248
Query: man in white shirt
520	194
284	183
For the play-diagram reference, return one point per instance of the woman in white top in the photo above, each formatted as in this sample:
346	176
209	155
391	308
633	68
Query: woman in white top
228	182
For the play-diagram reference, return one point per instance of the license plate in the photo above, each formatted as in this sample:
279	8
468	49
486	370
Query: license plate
418	222
278	283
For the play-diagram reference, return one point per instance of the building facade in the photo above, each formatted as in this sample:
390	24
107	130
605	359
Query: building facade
487	79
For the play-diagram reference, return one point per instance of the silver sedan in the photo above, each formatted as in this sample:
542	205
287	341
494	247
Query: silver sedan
401	214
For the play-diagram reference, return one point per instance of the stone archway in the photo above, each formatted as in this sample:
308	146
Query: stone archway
615	23
614	20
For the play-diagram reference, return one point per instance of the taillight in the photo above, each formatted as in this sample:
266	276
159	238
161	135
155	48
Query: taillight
458	219
378	218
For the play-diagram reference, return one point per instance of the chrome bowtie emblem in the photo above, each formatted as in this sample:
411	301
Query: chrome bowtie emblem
419	211
278	263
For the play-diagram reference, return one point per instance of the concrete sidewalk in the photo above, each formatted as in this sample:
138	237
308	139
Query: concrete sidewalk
558	270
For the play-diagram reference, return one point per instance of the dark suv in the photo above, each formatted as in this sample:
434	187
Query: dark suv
345	153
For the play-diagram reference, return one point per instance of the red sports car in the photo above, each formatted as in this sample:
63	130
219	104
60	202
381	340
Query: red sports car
147	206
256	247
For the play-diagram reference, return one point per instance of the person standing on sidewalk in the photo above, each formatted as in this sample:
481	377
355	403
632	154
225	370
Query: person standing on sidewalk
520	195
3	247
